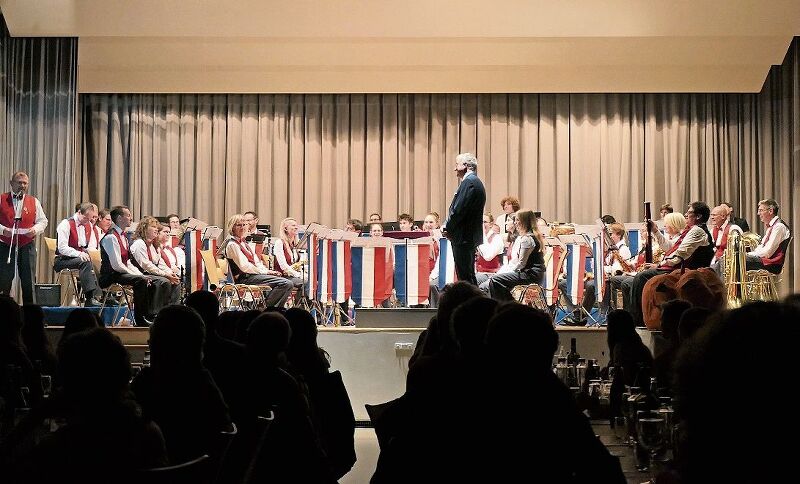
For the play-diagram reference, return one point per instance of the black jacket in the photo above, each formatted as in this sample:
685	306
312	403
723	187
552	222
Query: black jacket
464	223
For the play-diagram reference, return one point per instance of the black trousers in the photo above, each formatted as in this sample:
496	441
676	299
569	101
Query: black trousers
464	258
148	297
26	266
86	275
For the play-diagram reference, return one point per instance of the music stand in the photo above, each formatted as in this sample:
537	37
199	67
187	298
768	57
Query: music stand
581	240
303	300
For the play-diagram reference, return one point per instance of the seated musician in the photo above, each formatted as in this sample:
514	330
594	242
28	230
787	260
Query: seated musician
489	253
75	236
617	262
674	223
116	266
354	225
375	230
172	258
693	249
720	228
406	223
287	256
431	224
771	252
104	221
247	267
146	256
510	206
174	226
666	209
526	264
375	217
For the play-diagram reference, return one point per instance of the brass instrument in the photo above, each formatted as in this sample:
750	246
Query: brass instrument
740	287
299	265
557	228
624	264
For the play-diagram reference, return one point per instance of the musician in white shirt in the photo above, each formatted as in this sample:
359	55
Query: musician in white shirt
146	256
246	266
287	256
75	236
172	258
771	252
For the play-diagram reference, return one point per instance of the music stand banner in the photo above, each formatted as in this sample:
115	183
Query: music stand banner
552	255
575	272
195	269
372	275
411	273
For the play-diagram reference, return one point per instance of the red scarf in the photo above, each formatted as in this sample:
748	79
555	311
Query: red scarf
167	260
123	248
674	248
246	251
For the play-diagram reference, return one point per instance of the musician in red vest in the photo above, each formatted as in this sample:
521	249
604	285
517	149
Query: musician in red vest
693	249
116	265
75	237
771	252
246	266
21	220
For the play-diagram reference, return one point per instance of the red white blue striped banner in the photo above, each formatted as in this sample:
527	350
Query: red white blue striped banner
372	275
599	250
553	256
411	274
195	269
575	271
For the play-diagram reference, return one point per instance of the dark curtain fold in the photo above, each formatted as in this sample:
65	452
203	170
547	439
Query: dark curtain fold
38	126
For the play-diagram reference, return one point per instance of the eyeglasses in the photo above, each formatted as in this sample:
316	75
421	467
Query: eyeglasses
239	225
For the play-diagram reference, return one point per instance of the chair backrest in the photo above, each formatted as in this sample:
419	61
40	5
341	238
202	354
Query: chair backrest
94	256
51	245
212	269
192	472
220	450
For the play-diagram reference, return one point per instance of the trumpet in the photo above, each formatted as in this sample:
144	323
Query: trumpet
299	265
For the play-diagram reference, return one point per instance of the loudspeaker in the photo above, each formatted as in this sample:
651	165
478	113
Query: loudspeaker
48	294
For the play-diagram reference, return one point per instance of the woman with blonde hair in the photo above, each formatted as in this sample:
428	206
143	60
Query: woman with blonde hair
526	261
145	254
284	248
246	266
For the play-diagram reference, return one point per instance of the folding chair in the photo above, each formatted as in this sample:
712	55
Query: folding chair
230	294
539	294
122	306
195	471
71	276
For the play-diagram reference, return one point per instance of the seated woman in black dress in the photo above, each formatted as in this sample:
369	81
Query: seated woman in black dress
526	260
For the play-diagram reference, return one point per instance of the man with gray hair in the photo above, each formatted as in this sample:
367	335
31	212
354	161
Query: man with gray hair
464	225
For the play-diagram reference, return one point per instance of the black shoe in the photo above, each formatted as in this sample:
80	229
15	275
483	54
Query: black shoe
92	302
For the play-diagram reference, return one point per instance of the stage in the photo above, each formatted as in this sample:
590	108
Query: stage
374	360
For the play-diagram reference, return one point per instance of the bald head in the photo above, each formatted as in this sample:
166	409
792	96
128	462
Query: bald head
719	215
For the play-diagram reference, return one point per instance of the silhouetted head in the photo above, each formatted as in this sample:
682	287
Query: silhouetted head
620	328
79	320
268	338
243	323
470	321
453	295
732	396
692	320
11	322
671	312
33	333
207	306
95	369
521	337
176	339
304	352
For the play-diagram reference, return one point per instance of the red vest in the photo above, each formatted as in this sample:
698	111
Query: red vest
72	241
720	244
7	217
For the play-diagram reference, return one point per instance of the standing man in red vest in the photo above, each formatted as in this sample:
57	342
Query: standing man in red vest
21	220
75	237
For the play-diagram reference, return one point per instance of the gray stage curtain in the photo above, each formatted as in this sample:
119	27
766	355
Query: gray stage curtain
38	104
325	158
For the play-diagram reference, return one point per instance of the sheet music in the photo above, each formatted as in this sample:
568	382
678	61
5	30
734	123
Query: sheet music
554	242
195	224
211	232
576	239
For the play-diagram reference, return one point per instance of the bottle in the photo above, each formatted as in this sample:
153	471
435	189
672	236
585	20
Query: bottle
573	356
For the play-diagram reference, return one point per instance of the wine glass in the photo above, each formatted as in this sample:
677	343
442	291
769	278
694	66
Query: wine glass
47	385
620	426
650	435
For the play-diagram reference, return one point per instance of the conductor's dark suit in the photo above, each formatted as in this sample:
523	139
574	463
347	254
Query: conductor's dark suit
464	225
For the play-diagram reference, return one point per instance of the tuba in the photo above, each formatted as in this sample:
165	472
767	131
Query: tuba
734	272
